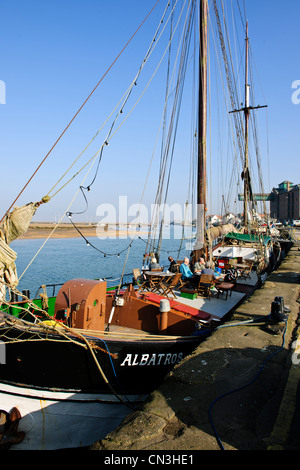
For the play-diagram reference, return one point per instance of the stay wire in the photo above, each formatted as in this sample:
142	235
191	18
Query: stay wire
93	246
99	153
179	92
133	84
110	254
166	151
84	103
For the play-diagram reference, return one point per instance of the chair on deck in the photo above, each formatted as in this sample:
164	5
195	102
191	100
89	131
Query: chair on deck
153	280
181	282
167	287
175	268
247	270
205	283
143	284
178	264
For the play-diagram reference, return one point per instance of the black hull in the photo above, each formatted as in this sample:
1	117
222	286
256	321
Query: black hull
123	366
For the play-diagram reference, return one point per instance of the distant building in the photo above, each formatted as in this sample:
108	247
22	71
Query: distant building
214	219
285	202
228	218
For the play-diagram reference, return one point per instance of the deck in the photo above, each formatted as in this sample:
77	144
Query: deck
218	307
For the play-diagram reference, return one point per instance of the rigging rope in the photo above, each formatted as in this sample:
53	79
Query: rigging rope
56	225
233	140
133	83
181	79
167	155
40	330
124	99
93	159
230	84
74	117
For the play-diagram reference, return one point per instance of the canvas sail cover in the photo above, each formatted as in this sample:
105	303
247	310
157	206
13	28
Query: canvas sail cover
15	224
216	232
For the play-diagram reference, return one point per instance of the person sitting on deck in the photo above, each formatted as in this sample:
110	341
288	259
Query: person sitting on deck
185	270
154	264
208	270
199	265
172	267
187	275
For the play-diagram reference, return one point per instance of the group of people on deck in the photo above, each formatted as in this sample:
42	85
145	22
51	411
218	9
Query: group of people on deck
187	274
200	267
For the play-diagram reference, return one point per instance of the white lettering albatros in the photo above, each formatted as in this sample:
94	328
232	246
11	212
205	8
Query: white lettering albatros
151	360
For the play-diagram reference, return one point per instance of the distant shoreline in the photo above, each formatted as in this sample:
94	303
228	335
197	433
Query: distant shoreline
43	230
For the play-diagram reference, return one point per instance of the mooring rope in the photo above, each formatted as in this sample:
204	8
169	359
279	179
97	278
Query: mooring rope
13	322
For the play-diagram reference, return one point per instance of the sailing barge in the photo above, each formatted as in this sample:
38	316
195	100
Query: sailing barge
72	367
71	384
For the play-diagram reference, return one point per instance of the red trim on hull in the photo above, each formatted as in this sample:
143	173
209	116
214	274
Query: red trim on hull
178	306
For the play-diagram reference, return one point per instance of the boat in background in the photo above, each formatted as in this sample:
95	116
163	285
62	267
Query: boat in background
251	251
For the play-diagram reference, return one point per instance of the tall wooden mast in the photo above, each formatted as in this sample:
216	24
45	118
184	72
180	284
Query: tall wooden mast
246	111
202	127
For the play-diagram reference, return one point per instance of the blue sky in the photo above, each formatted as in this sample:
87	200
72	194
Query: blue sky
54	53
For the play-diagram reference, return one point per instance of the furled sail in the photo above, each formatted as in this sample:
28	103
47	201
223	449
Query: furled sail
15	224
217	232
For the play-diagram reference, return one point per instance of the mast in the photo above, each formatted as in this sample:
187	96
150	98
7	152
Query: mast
246	109
202	128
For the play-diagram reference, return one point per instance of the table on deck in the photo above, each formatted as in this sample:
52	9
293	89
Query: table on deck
244	268
155	278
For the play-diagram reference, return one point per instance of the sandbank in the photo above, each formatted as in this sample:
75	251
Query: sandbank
43	230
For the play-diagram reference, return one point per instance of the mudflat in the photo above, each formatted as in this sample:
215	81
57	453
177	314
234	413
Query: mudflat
65	230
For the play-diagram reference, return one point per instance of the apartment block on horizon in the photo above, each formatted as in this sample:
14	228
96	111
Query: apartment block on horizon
285	202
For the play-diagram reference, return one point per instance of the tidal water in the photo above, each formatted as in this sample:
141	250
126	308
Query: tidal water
63	259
